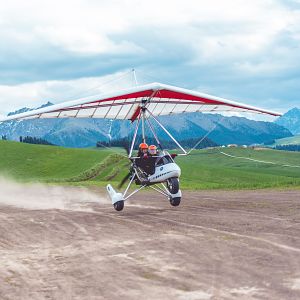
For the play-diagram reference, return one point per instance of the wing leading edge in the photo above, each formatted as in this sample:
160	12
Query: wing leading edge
125	105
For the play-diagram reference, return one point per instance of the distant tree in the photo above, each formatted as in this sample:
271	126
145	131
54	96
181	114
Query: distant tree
188	143
288	147
34	140
4	137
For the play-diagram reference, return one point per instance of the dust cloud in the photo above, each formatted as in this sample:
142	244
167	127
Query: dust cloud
42	196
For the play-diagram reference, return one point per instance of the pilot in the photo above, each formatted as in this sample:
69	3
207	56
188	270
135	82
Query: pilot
143	150
146	162
142	161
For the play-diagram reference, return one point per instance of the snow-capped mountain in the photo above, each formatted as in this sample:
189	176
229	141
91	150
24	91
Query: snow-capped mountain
291	120
86	132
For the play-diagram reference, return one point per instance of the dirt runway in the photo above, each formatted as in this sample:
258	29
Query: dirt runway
215	245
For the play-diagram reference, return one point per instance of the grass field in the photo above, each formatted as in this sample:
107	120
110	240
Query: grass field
204	169
211	169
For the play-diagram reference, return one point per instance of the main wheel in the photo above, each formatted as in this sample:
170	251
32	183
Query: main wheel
173	185
119	205
175	201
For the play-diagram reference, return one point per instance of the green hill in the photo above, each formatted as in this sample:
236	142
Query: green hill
204	169
29	162
293	140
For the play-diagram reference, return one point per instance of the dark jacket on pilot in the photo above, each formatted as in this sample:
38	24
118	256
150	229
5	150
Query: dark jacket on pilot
146	162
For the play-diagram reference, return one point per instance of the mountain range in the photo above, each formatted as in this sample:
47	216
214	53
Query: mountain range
86	132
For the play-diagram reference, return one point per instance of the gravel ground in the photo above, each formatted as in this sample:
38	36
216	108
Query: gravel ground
69	243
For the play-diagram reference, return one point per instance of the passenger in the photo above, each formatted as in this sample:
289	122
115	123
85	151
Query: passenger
153	150
152	159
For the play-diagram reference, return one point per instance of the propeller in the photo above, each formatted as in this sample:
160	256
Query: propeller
126	146
124	180
126	149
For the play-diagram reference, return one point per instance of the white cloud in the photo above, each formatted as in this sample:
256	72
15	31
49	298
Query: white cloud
222	40
87	26
84	41
56	91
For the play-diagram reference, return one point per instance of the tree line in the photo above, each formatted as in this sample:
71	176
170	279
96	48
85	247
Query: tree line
34	140
288	147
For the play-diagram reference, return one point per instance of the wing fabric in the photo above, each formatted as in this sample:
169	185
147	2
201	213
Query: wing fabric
125	105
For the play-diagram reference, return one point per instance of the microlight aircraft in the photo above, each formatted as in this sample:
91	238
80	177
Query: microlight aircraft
143	105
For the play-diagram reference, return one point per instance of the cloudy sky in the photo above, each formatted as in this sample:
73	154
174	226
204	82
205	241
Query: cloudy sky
247	51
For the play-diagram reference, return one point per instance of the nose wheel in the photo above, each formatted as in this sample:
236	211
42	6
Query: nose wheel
118	206
175	201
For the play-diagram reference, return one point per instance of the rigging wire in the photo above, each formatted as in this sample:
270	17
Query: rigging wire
99	86
150	76
206	135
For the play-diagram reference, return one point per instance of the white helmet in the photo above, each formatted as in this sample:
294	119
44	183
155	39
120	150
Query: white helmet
152	150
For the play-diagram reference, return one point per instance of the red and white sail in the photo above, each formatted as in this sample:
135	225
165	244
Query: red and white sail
126	104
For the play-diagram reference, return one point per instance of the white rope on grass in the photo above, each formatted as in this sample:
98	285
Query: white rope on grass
111	149
260	161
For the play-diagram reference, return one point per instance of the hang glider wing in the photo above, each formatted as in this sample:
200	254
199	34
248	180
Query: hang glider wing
160	99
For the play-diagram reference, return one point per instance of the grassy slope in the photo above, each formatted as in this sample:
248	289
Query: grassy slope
202	170
38	162
294	140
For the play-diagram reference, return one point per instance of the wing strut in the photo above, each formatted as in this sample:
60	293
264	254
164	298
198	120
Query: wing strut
135	134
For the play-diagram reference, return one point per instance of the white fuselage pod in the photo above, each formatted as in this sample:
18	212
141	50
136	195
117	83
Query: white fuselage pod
164	172
114	196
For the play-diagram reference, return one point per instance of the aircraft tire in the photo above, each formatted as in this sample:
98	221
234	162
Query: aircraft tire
173	185
175	201
118	206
